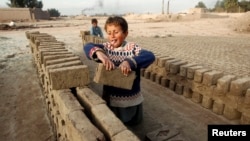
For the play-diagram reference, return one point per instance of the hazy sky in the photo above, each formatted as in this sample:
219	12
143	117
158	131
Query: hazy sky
76	7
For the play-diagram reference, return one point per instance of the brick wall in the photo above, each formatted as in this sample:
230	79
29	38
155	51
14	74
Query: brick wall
76	112
23	14
225	95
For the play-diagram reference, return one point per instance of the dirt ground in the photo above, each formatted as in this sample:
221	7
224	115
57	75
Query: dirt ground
23	113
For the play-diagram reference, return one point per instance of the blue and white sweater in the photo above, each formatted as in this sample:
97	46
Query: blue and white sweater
136	56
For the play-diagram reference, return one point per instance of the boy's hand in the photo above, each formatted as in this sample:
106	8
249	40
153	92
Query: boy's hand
105	60
125	68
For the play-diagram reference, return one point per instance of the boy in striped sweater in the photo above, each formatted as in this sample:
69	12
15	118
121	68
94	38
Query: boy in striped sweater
128	56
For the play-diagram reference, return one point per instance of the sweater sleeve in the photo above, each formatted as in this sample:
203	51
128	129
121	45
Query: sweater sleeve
90	50
142	60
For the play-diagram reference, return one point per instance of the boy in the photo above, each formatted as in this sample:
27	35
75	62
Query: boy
128	56
95	29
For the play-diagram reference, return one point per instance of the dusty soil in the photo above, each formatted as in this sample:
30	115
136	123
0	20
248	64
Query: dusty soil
23	113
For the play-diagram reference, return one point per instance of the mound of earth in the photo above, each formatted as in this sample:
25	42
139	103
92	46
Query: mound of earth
242	23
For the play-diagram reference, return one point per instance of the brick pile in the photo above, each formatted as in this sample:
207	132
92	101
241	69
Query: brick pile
76	112
224	94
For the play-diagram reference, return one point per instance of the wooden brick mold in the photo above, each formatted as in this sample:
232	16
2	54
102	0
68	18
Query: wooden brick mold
76	112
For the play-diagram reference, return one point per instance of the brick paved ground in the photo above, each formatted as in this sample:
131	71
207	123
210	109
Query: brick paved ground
228	54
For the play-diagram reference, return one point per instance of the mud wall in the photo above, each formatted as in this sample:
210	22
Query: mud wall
76	112
23	14
226	95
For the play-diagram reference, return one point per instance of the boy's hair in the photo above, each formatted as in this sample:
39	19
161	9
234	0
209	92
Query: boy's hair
93	20
118	21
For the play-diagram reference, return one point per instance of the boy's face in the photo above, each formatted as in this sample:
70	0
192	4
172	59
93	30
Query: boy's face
115	35
94	24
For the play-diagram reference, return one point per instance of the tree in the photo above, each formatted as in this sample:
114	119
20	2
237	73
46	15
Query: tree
25	3
231	5
245	5
53	12
16	3
200	5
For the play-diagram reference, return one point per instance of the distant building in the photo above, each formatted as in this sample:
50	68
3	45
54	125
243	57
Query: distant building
197	10
23	14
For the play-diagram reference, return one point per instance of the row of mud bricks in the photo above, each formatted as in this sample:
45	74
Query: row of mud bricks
76	112
225	95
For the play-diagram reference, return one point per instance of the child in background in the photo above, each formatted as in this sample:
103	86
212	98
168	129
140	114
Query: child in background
127	56
95	29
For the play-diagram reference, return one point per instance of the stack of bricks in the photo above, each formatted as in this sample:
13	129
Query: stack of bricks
76	112
226	95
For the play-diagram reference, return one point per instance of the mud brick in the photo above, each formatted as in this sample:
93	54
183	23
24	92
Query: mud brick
168	62
54	57
156	60
187	92
218	107
247	97
27	33
83	33
80	128
196	97
90	38
191	70
68	77
47	46
147	74
161	62
152	76
239	87
51	43
64	64
210	78
207	102
158	79
34	36
114	77
183	69
142	72
125	135
165	82
172	85
42	39
61	60
43	51
245	118
88	98
203	89
106	121
175	66
231	113
160	71
223	84
52	48
198	74
66	102
51	54
158	57
179	89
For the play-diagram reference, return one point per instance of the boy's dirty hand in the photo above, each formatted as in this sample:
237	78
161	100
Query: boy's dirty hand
109	65
125	68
